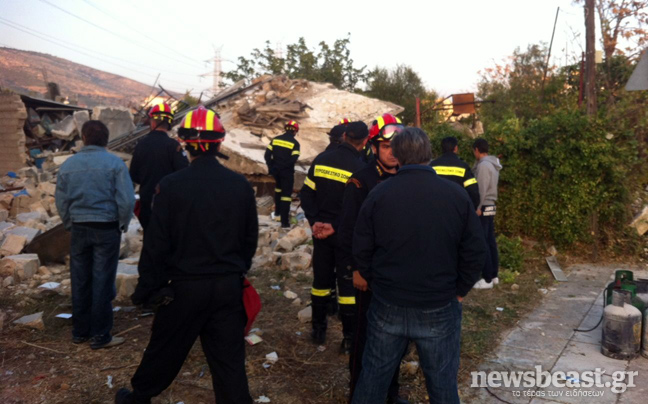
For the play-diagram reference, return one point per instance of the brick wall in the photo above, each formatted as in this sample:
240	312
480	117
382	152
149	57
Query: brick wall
12	136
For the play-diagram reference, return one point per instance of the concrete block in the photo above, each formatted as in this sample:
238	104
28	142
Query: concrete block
305	315
126	281
33	321
295	261
27	232
65	129
47	188
13	245
294	238
118	120
21	267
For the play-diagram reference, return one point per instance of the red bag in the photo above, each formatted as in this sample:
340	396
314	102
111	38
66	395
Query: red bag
138	208
252	303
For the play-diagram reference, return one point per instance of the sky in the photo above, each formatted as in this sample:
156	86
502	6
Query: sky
447	42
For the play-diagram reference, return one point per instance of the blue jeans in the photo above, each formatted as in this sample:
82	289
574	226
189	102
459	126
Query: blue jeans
437	334
94	254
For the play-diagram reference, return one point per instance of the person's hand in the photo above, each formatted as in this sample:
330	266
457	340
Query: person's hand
317	229
479	212
326	230
459	299
359	282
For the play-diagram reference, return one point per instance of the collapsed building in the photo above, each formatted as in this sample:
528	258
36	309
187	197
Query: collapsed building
37	136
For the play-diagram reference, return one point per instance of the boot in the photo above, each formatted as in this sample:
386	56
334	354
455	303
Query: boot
319	321
345	347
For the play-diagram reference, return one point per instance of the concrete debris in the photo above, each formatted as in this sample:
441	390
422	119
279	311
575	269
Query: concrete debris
27	232
640	223
296	302
118	120
291	240
126	281
289	294
8	281
33	321
80	117
66	129
12	245
295	261
552	251
305	315
21	267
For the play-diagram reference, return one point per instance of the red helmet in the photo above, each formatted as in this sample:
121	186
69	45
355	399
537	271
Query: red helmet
292	126
161	112
344	121
201	125
384	128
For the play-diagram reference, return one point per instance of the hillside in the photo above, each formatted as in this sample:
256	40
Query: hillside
22	71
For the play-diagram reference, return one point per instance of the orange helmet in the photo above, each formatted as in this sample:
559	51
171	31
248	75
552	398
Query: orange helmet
344	121
292	126
161	112
384	128
201	125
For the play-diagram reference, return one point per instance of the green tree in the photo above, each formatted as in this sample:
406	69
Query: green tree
330	64
401	86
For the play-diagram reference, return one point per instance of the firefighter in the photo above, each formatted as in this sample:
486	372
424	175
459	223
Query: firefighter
335	135
202	237
357	188
451	167
280	156
155	157
321	199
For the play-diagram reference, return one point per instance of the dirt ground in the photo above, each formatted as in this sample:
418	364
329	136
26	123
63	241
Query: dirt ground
45	367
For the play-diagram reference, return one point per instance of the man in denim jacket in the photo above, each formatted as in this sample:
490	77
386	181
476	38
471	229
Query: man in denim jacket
95	198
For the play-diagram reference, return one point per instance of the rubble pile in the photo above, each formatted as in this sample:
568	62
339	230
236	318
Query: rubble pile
255	116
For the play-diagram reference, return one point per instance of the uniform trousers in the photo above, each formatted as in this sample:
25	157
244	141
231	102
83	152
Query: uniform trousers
285	180
211	309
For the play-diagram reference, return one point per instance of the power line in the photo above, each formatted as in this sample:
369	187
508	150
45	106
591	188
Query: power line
156	41
129	40
86	54
94	51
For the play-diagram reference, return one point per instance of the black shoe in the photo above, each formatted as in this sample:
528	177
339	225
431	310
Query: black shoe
397	400
113	342
318	337
80	340
123	396
345	347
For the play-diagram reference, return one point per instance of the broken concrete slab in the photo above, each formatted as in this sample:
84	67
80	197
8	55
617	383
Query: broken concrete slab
295	261
65	129
33	321
27	232
118	120
126	280
23	218
294	238
640	222
47	188
305	315
13	244
21	266
80	117
4	215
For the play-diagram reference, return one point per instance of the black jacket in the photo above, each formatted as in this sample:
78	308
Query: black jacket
418	240
282	153
355	193
204	224
323	190
451	167
155	157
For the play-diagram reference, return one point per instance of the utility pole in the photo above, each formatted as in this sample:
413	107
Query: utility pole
218	69
590	97
590	58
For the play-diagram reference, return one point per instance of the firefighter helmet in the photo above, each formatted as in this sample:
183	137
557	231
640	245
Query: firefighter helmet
292	126
201	125
384	128
344	121
161	112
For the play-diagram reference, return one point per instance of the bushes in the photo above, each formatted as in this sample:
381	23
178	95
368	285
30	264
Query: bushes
558	170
